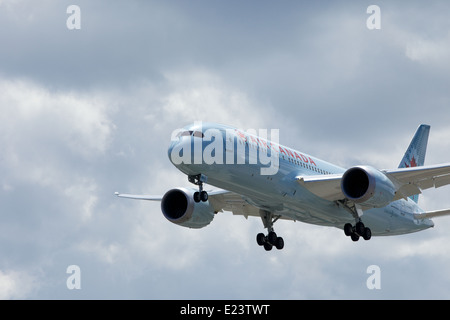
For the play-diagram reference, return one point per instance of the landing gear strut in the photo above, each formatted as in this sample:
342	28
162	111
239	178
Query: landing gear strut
198	180
271	239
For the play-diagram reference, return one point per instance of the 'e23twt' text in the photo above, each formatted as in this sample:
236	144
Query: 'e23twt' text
228	309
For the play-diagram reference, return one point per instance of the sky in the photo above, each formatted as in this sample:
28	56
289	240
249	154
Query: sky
90	111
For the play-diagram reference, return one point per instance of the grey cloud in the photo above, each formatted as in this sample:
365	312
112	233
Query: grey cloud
88	112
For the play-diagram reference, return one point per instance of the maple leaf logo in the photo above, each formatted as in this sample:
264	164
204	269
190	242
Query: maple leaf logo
412	163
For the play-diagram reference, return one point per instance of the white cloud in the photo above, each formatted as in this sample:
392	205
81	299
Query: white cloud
16	285
421	33
83	193
41	130
434	52
200	95
68	149
81	121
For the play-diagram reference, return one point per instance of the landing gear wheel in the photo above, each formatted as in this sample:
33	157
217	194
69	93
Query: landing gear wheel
197	196
272	237
359	228
204	196
348	229
260	239
354	237
267	246
367	234
279	243
200	196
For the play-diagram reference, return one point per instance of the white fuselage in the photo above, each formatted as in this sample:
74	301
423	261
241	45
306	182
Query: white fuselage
235	160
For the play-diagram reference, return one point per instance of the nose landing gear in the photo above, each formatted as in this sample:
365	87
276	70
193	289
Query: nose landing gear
198	180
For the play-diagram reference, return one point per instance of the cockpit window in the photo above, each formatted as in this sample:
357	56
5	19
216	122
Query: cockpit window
184	133
198	134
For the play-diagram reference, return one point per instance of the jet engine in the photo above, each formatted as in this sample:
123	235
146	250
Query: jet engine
179	207
367	186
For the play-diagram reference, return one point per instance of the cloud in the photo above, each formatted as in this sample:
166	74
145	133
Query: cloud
16	285
89	112
202	95
48	138
43	133
32	113
434	52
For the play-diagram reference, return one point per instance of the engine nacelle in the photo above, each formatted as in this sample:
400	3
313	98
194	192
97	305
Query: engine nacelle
368	186
179	207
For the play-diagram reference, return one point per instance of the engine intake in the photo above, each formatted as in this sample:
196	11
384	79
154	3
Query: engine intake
179	207
368	186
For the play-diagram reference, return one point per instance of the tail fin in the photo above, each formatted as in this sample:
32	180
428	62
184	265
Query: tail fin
415	154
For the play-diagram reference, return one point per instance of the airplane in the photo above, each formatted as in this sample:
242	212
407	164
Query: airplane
361	200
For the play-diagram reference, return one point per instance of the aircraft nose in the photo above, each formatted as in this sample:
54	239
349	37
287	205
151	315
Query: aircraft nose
170	149
179	151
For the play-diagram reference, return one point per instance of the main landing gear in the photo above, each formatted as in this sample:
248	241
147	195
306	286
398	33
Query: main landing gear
198	180
271	240
359	230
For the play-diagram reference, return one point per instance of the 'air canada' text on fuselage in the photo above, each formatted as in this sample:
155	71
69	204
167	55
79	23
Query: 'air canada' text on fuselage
250	147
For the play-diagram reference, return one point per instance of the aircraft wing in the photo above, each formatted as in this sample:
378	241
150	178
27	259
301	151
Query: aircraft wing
409	181
413	180
220	200
159	197
139	196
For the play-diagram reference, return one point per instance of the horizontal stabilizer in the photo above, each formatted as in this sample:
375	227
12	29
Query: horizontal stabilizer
432	214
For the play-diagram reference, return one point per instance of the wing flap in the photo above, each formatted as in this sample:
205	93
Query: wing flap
412	180
416	174
425	184
325	186
441	181
407	190
229	201
234	203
